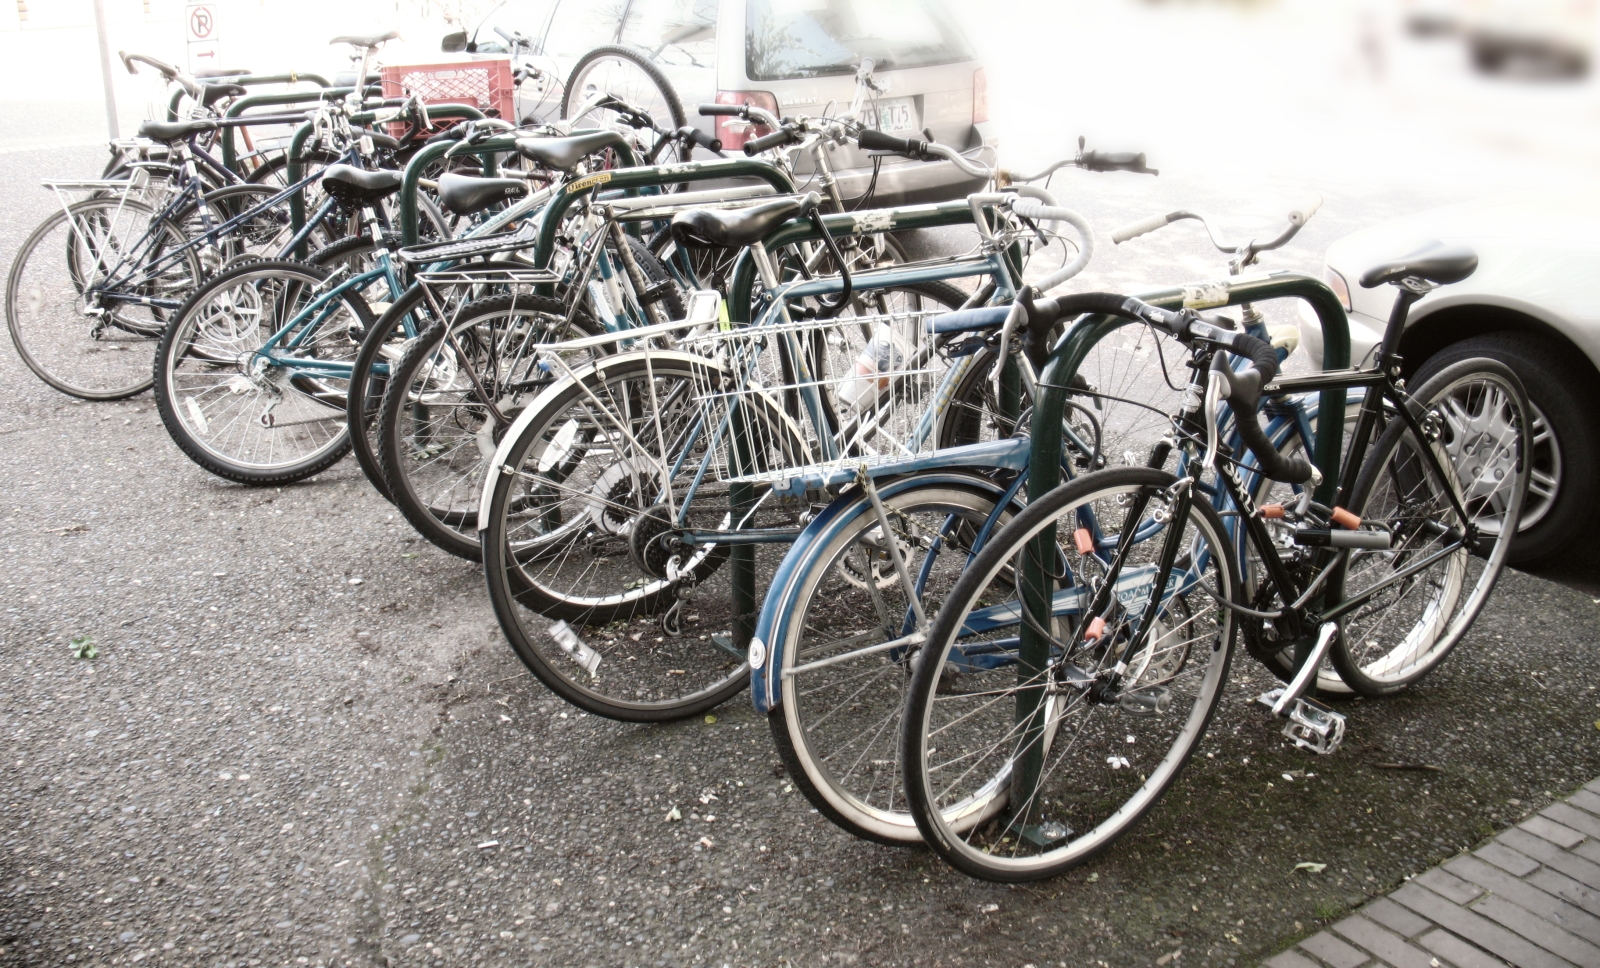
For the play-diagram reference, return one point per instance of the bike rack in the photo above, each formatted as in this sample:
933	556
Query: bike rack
230	152
296	167
630	178
249	80
1044	472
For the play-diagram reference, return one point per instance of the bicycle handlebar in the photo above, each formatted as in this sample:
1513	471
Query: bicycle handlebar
784	135
749	112
1297	217
172	74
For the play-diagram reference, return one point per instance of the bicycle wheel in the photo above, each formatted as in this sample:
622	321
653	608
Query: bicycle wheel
837	727
576	532
451	397
1102	759
1129	379
250	377
83	351
628	74
1414	601
380	349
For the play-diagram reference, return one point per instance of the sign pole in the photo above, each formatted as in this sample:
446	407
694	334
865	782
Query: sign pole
105	67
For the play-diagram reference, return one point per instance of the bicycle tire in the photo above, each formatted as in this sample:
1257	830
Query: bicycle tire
976	827
575	527
34	287
847	572
236	349
639	59
1410	506
409	428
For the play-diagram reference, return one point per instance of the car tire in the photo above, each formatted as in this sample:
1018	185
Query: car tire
1562	399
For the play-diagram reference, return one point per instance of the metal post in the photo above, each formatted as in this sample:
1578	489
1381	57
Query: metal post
105	66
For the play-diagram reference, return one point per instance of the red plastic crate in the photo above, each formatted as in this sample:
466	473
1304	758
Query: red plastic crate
486	84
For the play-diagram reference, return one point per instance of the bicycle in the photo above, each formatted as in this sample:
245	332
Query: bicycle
1108	607
830	655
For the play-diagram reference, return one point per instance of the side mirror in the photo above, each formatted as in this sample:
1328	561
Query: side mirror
454	43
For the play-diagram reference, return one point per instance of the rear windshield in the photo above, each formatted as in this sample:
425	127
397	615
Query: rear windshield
810	38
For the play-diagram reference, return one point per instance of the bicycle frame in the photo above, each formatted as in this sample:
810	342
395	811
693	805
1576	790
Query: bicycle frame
108	290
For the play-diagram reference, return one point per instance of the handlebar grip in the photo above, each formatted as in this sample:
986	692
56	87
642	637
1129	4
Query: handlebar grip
695	135
721	110
1114	161
757	145
1307	208
873	140
1144	227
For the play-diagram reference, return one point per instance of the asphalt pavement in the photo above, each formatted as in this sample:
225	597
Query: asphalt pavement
302	740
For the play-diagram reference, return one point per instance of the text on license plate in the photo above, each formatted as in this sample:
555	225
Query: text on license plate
893	115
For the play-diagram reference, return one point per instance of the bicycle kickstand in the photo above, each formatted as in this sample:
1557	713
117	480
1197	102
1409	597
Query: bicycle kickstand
1312	725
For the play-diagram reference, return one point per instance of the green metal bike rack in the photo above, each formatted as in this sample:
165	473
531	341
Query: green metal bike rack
296	167
1044	472
230	152
630	179
248	80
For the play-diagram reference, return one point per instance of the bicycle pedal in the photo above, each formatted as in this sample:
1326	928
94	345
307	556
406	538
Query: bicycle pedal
1315	727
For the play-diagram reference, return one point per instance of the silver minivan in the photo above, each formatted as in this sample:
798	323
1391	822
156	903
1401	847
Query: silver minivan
790	56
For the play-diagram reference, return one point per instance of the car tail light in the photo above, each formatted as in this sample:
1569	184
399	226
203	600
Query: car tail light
732	132
980	96
1340	288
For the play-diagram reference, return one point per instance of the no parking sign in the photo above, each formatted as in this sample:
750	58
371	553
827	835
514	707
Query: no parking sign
200	25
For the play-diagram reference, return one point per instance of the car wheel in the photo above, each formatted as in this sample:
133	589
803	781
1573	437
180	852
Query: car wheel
1563	489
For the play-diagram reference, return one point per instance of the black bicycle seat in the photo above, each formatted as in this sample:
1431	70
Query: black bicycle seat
348	181
1435	262
216	92
174	130
563	154
464	194
733	228
365	40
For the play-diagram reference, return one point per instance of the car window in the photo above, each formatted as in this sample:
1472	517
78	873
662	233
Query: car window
529	17
810	38
580	26
675	31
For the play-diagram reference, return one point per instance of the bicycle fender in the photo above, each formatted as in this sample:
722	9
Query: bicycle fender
778	609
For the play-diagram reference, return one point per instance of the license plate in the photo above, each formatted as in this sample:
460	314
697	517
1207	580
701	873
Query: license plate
893	115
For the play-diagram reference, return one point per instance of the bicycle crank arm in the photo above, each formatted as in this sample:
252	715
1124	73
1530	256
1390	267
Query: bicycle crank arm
1281	700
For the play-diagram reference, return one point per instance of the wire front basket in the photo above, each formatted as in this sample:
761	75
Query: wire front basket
803	404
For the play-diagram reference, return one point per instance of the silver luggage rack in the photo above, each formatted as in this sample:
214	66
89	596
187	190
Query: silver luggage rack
817	399
450	250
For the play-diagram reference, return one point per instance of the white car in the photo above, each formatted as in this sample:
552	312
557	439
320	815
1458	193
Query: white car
1534	304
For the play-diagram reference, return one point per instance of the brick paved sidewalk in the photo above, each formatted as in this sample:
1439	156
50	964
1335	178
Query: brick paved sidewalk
1530	898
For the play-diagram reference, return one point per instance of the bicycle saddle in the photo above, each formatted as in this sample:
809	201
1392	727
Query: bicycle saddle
464	194
211	72
174	130
216	92
365	40
734	228
563	154
1435	262
348	181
